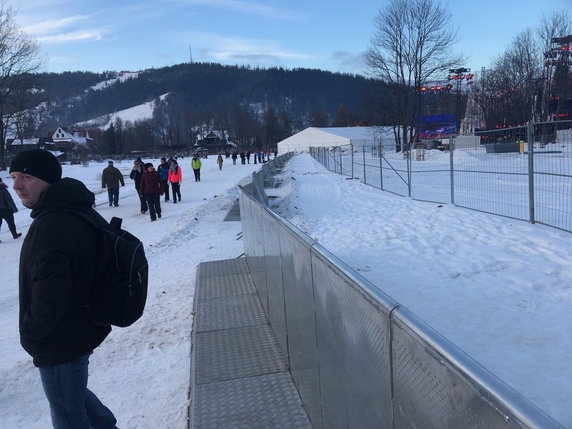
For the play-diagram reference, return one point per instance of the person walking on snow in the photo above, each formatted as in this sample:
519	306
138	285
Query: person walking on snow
196	164
175	179
7	210
152	188
135	175
163	170
111	177
58	265
219	161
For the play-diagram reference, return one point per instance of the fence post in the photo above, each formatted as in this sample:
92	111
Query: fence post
452	168
341	162
530	138
334	159
409	169
380	166
363	151
352	149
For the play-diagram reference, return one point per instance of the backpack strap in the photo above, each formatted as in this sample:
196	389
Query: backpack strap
115	223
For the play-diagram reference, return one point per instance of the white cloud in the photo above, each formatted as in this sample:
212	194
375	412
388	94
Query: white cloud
244	7
227	48
83	35
52	25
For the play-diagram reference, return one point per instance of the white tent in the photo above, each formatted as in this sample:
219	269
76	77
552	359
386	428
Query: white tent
335	136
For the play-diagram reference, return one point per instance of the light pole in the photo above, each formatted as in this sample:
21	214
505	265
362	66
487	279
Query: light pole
459	75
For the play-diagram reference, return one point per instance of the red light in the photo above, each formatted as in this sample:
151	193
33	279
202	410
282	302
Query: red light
423	88
439	88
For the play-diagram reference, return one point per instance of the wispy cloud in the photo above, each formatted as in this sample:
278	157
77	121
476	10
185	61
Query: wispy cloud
66	29
228	48
83	35
243	6
349	62
52	25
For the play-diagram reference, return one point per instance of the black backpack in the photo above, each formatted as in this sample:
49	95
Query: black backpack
122	274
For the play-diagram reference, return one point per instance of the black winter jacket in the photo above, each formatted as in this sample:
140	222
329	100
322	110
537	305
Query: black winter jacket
136	175
57	270
6	201
111	177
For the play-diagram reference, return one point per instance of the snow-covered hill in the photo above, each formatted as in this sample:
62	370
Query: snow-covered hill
132	114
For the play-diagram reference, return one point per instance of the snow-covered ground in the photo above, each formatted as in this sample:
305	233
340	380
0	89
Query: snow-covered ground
500	289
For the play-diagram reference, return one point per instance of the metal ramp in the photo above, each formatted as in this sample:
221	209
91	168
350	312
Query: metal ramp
239	375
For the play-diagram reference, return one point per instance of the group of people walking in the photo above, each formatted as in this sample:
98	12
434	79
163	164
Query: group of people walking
260	156
151	184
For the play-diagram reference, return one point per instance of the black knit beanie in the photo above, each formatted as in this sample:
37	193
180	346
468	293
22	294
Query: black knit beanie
38	163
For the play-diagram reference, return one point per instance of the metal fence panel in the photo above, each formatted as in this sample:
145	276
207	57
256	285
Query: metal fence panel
256	260
353	349
522	172
496	181
553	175
301	323
437	386
274	287
431	177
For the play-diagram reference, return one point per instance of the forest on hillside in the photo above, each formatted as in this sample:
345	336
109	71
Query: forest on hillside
254	107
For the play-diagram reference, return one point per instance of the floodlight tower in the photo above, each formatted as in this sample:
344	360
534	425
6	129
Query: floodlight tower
458	75
558	63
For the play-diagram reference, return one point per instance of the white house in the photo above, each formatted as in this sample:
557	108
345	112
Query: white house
336	136
65	138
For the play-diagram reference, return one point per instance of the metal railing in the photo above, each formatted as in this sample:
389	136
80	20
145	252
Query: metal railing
522	172
359	359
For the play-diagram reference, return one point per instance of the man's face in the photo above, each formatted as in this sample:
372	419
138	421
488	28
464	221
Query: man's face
29	188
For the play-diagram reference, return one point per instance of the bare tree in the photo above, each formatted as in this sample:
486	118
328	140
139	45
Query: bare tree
507	94
527	75
19	57
412	44
555	81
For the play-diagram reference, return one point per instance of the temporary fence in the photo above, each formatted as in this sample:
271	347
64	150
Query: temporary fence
521	172
359	359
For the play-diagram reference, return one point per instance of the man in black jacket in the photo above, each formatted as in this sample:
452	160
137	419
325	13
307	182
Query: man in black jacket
57	268
111	178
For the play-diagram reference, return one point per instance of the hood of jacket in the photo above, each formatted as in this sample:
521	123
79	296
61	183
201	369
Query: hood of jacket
65	194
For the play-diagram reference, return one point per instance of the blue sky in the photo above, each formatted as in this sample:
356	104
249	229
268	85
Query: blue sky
325	34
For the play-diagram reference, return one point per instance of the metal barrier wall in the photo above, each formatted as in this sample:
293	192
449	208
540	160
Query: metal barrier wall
357	358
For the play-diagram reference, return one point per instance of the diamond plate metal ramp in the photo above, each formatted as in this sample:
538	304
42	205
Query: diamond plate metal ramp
239	376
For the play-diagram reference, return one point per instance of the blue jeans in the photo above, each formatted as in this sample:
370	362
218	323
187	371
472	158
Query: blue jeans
113	194
72	404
